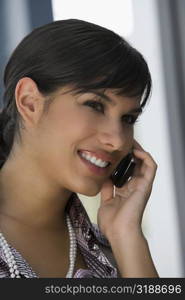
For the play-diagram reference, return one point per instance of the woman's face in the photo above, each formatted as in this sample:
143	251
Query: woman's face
85	124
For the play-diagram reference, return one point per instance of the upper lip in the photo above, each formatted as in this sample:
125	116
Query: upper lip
100	154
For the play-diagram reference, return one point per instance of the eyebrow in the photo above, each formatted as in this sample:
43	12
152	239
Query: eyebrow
108	99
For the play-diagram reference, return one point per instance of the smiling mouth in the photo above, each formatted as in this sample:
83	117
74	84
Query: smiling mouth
94	159
92	167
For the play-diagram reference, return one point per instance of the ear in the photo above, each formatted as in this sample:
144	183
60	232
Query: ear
29	101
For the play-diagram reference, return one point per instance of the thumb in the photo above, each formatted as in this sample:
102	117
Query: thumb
107	191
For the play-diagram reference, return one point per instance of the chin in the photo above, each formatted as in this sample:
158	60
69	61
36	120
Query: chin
90	194
89	190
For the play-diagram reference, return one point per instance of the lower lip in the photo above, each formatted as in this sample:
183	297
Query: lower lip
94	169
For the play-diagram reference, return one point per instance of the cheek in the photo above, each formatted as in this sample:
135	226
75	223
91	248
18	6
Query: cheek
65	130
65	134
129	140
130	134
79	123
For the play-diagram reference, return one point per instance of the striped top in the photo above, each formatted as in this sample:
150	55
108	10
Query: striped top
92	244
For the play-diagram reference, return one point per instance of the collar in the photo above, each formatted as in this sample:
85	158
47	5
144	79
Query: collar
89	239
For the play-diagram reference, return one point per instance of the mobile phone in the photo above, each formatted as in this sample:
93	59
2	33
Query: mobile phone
123	171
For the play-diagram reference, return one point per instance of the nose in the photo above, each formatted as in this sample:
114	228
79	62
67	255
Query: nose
113	136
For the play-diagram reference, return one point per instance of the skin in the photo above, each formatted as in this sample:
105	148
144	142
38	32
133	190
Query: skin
49	169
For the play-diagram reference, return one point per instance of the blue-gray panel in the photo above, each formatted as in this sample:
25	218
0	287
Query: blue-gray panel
36	12
40	12
3	53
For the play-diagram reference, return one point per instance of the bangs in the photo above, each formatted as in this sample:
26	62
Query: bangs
80	55
124	71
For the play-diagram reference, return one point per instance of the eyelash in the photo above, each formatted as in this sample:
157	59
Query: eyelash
95	104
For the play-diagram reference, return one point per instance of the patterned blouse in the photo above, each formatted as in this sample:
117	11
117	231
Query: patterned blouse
92	244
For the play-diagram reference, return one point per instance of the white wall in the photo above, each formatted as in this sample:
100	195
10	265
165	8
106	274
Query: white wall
138	22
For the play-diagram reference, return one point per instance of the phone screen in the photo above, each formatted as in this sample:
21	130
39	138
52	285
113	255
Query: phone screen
123	171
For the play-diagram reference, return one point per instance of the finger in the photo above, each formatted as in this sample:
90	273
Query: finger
148	166
145	156
107	191
137	169
136	145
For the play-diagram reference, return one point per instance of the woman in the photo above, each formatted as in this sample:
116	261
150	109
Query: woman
73	91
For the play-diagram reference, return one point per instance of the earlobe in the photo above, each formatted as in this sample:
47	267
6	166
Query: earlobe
28	99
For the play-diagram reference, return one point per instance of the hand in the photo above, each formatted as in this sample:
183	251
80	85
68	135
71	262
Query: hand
121	212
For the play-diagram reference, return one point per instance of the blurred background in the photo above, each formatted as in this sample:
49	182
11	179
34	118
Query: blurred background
156	29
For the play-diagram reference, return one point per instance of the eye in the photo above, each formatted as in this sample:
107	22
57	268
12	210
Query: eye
130	119
95	105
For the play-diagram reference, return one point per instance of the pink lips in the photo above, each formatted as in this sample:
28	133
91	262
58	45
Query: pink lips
94	169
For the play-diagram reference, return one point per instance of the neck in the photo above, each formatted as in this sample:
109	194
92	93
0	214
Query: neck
29	197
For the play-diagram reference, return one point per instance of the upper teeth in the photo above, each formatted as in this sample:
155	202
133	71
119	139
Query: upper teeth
98	162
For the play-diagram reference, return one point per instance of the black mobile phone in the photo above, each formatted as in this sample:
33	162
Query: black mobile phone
123	171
